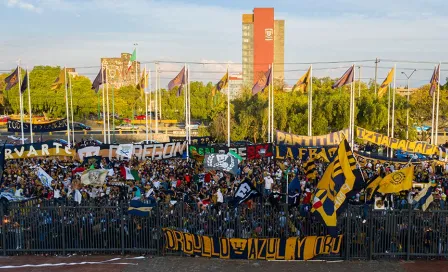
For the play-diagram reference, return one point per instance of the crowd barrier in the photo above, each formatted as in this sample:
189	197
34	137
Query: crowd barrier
108	229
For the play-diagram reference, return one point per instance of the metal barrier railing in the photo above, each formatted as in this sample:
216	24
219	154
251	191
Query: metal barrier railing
67	229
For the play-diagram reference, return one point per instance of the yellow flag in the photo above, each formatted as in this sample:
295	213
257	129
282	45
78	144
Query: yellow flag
370	189
222	83
59	81
302	83
383	88
397	181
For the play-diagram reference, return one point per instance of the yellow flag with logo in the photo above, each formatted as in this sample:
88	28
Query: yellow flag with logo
397	181
383	88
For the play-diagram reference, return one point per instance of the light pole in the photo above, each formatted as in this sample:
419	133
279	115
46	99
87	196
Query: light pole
407	111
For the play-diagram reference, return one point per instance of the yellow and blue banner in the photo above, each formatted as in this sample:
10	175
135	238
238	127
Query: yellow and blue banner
293	248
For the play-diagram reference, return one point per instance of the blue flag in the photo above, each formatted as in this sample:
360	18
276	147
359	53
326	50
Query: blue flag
138	208
294	185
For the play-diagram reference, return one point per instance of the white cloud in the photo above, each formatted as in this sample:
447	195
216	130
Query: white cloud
24	5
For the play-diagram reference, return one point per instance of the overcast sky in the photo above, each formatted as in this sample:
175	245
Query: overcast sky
77	33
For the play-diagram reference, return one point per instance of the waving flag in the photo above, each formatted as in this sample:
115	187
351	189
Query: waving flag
262	83
346	78
12	79
100	79
178	81
388	80
60	80
434	80
132	59
340	178
303	82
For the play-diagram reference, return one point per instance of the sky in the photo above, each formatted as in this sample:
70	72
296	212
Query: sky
77	33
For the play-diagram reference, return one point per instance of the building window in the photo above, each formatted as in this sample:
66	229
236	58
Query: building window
246	40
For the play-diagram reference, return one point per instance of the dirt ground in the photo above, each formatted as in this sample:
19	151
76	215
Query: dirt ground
180	264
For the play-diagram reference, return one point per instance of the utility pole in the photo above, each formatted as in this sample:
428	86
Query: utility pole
376	74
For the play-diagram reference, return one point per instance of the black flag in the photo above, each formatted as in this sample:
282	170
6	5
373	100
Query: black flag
24	83
245	191
12	79
100	79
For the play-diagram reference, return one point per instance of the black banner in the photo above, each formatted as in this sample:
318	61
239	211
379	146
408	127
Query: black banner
194	140
58	125
216	149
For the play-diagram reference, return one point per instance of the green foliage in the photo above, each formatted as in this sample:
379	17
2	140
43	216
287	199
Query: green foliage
249	114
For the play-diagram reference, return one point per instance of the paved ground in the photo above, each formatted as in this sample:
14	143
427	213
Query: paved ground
181	264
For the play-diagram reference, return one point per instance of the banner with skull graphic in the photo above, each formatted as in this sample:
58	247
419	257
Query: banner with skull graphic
223	162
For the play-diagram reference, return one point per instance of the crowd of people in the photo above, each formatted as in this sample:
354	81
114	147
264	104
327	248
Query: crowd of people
194	200
179	180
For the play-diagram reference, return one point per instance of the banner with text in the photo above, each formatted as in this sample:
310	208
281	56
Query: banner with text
151	151
330	139
304	153
364	159
293	248
217	149
194	140
49	148
258	151
58	125
404	145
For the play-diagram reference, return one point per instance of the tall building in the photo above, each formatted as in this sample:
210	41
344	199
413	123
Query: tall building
263	44
117	71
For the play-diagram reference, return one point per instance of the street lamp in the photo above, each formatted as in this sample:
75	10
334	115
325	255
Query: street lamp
407	112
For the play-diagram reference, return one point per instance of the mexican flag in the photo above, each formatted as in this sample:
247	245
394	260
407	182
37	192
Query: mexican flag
129	174
132	59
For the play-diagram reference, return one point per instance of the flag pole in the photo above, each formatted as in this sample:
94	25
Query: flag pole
20	103
228	107
66	106
136	73
71	106
189	105
104	105
272	102
436	126
29	104
269	110
350	114
354	106
108	108
150	108
156	118
160	99
146	105
310	104
388	110
393	111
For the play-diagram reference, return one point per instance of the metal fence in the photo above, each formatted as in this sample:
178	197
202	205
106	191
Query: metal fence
55	229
